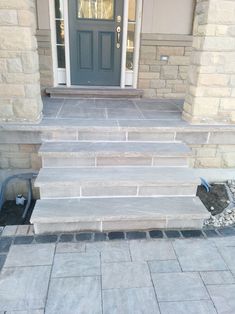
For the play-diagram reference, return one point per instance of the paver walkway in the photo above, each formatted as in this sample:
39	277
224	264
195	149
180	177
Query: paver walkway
177	276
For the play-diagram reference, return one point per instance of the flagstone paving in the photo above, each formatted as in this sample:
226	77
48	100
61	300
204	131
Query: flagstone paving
162	276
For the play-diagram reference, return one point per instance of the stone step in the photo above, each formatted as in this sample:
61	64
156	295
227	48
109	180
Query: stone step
89	92
118	214
85	154
116	181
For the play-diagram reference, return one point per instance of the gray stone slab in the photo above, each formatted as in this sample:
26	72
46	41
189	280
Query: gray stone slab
188	307
161	115
147	250
118	209
73	110
129	301
192	137
76	264
123	176
95	149
107	246
158	105
150	136
41	311
125	275
70	248
217	277
114	104
102	136
228	254
9	231
198	255
223	298
30	255
124	114
24	288
115	255
179	287
73	295
171	266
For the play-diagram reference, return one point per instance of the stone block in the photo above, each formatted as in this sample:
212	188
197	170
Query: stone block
149	75
178	60
227	104
15	38
170	51
169	72
8	17
27	18
9	90
14	65
157	84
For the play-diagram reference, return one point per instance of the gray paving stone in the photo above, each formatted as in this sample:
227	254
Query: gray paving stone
24	312
129	301
228	254
30	255
70	295
179	287
5	243
188	307
171	266
103	246
24	288
217	277
198	255
223	298
147	250
115	255
125	275
9	231
2	260
76	264
70	248
223	242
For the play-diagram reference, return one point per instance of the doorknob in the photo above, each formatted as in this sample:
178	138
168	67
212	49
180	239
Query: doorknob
118	37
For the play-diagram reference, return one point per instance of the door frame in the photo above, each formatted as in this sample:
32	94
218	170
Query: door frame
63	76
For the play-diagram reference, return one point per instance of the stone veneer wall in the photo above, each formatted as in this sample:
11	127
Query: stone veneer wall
19	71
15	159
45	58
210	94
164	78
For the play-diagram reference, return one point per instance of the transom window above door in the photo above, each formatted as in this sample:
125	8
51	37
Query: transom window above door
96	9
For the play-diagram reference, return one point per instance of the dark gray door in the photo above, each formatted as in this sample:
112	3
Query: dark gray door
95	41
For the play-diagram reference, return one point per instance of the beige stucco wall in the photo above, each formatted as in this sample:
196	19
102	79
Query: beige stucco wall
167	16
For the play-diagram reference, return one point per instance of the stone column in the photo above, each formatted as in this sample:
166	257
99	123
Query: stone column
20	99
210	96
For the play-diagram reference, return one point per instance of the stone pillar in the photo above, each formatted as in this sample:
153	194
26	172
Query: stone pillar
210	96
20	99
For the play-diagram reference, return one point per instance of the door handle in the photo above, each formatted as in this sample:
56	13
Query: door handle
118	37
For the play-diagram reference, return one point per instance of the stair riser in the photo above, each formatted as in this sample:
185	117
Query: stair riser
111	136
66	191
125	225
63	162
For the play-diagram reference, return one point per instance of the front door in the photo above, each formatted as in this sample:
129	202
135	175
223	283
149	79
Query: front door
95	41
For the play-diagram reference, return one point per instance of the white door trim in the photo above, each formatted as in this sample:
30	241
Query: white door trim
124	43
59	73
67	45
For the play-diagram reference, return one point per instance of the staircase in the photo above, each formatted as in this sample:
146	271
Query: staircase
92	185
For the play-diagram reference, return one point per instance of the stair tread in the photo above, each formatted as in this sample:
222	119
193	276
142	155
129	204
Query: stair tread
118	148
117	175
113	209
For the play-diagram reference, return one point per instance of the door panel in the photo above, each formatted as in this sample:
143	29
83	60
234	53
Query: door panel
85	50
106	53
94	51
